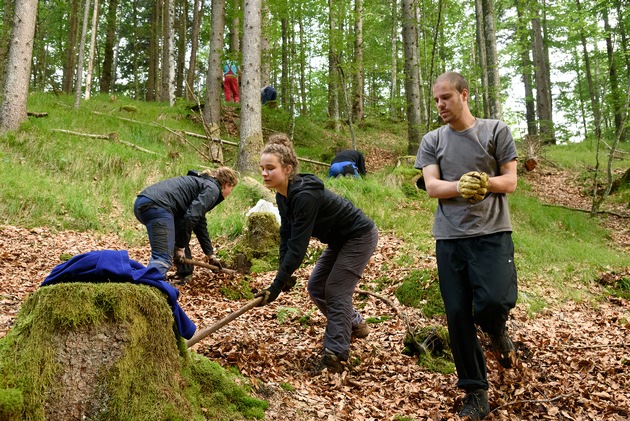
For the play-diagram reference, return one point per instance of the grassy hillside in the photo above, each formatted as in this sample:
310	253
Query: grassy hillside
69	181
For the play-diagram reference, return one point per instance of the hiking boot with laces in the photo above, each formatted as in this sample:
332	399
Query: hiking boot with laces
329	360
476	405
360	331
503	348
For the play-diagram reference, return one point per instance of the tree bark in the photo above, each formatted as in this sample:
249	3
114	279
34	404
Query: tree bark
18	69
492	62
194	45
251	139
79	82
483	59
182	28
214	81
412	87
393	87
333	76
5	35
543	84
357	104
105	82
90	69
526	66
71	48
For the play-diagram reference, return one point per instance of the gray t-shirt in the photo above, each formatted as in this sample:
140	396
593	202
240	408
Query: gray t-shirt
484	147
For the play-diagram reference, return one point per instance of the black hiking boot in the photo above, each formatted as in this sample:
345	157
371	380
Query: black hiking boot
503	349
476	405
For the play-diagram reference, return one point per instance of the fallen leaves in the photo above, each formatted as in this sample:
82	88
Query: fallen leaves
574	360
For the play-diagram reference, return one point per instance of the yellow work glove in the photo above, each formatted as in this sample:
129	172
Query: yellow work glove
473	186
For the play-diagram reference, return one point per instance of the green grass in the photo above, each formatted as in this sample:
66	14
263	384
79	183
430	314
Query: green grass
65	181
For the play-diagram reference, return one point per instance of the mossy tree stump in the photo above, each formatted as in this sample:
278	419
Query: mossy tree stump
257	250
104	351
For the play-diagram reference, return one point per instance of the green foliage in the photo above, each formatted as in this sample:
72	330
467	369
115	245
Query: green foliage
421	289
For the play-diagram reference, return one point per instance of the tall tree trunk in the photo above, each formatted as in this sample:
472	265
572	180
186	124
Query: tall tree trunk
181	27
492	61
589	78
357	104
265	66
154	49
526	66
235	32
616	96
284	78
393	87
303	65
108	54
251	140
412	87
483	59
543	84
79	82
136	53
333	72
424	114
18	69
168	52
5	35
194	45
71	48
90	69
214	85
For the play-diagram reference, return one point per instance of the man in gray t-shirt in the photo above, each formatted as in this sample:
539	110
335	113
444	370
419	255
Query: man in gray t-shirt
469	165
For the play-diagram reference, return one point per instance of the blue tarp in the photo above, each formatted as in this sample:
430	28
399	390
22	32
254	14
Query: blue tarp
116	266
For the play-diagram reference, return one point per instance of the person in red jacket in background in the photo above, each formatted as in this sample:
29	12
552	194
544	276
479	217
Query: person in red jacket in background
230	81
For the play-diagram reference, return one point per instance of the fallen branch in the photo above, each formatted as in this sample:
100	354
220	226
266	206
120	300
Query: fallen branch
37	115
111	136
588	211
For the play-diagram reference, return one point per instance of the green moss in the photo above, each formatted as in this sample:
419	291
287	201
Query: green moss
143	372
421	289
432	345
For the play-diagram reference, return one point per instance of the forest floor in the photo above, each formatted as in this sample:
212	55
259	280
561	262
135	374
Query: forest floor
574	362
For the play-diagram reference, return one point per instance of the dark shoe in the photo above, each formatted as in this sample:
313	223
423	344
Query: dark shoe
476	405
330	361
360	331
503	348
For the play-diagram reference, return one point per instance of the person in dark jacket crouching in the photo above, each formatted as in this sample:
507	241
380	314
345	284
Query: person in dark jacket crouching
307	209
174	208
347	162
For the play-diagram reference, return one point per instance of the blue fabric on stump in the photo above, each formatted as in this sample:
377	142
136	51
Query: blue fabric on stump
116	266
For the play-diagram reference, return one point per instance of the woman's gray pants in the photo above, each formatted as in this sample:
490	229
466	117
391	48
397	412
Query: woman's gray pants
332	284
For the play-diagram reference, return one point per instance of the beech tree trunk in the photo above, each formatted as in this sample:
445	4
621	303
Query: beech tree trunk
251	140
108	54
412	87
14	97
214	81
194	45
357	103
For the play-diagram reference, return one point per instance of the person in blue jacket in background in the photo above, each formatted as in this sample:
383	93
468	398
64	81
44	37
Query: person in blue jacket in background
174	208
347	162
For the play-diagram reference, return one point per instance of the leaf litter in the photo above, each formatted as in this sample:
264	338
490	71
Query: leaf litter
574	359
